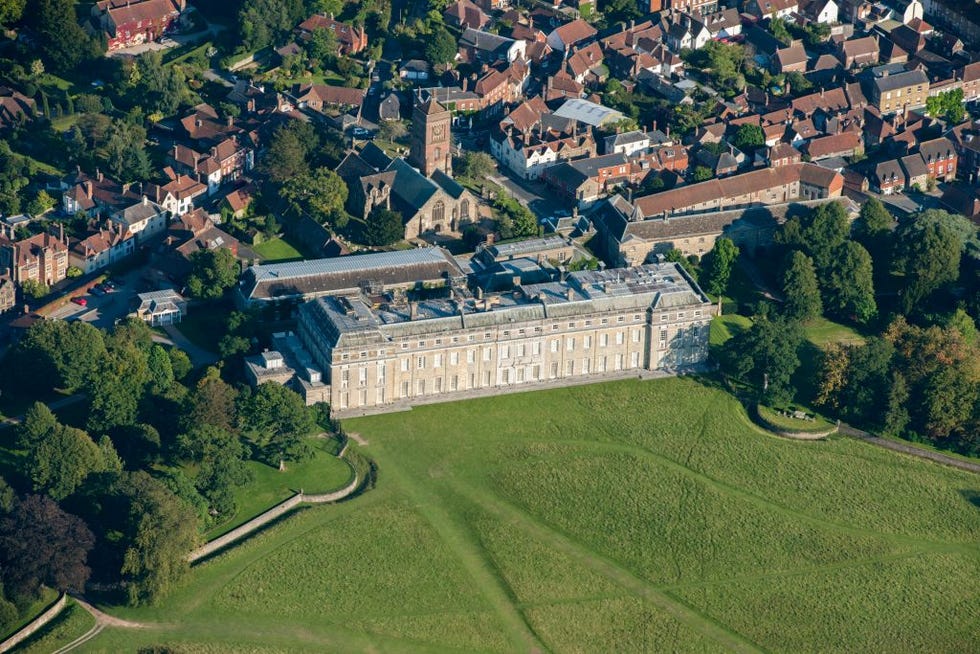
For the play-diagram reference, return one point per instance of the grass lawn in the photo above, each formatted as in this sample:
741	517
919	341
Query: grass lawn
821	331
629	516
205	327
784	423
277	249
322	474
71	623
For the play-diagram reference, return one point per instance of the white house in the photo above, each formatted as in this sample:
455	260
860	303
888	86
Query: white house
144	219
823	11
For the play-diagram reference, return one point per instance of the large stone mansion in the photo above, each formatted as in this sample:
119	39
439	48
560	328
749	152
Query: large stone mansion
381	353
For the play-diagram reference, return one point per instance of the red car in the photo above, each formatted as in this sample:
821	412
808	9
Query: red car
80	301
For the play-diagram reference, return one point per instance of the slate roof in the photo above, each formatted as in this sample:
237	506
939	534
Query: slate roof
317	277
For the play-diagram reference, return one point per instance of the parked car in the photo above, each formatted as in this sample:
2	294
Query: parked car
80	301
95	290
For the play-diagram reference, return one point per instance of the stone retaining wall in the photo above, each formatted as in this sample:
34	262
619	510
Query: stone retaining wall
274	513
37	623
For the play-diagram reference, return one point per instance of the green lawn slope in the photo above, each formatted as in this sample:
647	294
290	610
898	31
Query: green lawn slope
629	516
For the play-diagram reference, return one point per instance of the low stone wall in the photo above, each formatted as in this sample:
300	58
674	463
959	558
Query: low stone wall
272	514
36	624
795	435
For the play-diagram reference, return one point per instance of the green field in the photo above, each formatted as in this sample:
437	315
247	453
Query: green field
626	517
277	249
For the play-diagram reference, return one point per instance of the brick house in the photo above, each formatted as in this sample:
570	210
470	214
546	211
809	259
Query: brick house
350	39
940	158
42	258
132	22
8	293
888	177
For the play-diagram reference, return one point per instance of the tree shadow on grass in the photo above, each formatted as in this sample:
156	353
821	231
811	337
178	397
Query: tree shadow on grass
972	496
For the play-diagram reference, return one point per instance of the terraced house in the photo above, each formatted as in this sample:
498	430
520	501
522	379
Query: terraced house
380	354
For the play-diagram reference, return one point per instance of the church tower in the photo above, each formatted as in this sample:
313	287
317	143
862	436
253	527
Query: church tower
431	146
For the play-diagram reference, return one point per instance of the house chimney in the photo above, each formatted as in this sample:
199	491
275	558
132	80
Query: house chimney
98	174
570	294
413	310
87	186
61	233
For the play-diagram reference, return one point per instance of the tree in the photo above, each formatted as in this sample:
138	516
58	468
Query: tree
849	291
54	354
40	544
749	137
217	478
161	370
60	462
160	88
138	444
279	421
765	355
61	41
777	27
34	289
262	23
930	258
42	203
322	46
320	194
123	376
383	227
476	165
873	221
180	363
948	105
289	147
801	293
125	151
440	47
896	417
701	174
38	423
212	403
718	265
392	130
11	11
158	531
212	273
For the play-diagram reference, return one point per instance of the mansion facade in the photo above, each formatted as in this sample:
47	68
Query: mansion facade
380	354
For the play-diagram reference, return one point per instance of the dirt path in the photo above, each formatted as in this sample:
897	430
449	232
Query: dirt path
102	620
357	438
908	448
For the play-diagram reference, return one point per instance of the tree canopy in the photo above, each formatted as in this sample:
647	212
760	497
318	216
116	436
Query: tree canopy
42	544
383	227
801	292
765	355
718	265
213	272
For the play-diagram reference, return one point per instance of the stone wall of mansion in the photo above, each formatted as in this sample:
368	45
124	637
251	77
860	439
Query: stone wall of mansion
592	326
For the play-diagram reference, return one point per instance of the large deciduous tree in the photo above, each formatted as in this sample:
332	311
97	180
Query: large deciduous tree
928	249
158	532
60	462
765	355
212	273
321	194
801	292
40	544
278	421
718	265
849	291
54	354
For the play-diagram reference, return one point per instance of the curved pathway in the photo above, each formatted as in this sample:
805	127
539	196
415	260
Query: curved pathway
102	620
910	449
